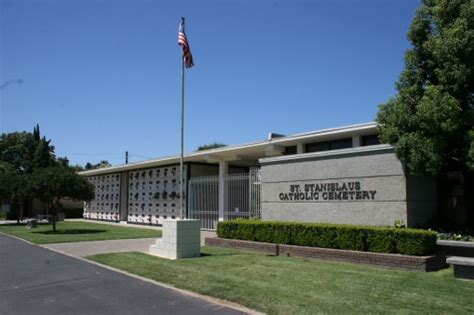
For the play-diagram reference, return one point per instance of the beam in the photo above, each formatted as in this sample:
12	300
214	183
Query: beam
274	150
214	158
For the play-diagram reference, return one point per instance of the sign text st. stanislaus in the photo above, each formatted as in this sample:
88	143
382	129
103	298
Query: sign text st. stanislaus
329	191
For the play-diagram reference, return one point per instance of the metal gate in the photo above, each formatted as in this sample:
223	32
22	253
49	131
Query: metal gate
242	195
203	201
241	198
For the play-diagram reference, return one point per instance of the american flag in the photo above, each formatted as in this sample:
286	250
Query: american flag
183	42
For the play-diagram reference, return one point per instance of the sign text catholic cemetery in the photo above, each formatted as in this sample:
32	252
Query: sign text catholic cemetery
330	191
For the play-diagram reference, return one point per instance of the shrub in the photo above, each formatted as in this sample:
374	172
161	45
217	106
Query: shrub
361	238
380	240
415	242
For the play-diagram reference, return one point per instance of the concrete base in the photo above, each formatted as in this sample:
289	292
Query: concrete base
181	239
456	248
463	267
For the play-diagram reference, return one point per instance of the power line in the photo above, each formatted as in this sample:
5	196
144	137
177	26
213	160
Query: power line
101	154
91	154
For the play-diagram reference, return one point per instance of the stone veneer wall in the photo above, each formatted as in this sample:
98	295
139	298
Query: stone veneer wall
374	171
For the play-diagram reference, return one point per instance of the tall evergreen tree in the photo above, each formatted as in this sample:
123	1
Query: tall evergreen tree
36	133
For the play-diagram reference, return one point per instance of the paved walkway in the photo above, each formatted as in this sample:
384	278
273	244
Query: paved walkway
83	249
35	280
124	224
140	226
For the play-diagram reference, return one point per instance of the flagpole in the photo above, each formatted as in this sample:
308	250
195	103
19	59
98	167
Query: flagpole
181	188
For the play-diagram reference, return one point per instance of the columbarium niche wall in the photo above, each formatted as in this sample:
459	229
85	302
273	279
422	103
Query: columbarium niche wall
106	204
154	195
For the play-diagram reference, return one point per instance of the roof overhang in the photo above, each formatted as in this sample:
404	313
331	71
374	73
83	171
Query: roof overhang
377	149
245	154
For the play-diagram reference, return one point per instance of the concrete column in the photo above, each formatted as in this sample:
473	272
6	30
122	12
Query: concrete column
356	141
223	170
300	148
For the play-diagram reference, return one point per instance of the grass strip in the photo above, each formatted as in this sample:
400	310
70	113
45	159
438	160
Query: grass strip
284	285
69	231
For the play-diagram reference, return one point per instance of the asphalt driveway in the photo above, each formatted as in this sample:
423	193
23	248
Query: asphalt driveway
34	280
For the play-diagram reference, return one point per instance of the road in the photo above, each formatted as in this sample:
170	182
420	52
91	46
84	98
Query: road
35	280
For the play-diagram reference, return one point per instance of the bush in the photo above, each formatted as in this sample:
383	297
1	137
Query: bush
415	242
361	238
380	241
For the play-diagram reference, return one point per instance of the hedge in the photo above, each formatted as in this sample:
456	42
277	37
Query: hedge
404	241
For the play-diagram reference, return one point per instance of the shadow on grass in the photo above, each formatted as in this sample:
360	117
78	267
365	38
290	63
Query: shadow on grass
70	232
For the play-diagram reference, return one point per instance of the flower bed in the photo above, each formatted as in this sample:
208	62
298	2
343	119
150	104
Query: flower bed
462	237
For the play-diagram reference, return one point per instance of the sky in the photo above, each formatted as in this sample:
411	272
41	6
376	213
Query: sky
102	77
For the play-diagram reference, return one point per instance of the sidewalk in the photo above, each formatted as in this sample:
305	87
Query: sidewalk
138	226
204	233
83	249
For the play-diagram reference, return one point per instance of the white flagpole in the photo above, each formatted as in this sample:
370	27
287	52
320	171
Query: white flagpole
182	213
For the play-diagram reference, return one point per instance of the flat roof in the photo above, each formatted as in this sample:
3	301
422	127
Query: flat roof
378	148
244	153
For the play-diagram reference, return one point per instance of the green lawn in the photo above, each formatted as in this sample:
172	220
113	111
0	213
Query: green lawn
293	285
76	232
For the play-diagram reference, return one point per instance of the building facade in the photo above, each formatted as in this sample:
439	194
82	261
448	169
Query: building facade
338	175
362	186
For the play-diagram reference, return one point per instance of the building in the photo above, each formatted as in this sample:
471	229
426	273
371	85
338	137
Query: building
338	175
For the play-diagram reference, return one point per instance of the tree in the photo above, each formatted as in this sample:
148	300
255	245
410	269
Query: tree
77	167
29	169
64	161
101	164
7	172
431	118
210	146
51	184
43	155
24	152
27	151
14	187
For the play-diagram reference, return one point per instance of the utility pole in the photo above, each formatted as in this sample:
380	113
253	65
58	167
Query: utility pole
126	157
